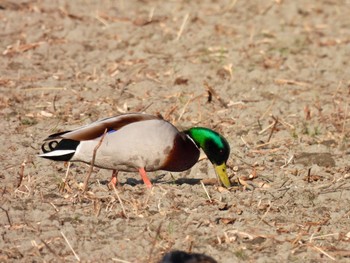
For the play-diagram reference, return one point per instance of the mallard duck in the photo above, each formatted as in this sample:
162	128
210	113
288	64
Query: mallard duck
139	142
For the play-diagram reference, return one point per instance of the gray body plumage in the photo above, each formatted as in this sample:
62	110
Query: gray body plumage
139	144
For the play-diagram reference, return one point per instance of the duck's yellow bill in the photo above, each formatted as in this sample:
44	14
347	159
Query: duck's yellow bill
222	174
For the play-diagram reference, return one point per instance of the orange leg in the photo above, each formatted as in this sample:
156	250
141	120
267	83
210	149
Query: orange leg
114	179
145	177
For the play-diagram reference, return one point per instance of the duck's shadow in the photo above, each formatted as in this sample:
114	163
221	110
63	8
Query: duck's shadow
159	180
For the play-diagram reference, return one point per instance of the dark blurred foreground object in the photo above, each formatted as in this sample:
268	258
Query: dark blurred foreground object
183	257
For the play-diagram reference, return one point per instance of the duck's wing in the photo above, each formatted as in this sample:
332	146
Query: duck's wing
97	128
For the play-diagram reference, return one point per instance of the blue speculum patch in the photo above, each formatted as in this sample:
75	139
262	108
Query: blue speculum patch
111	131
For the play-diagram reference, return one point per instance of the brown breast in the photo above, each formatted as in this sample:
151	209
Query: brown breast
182	156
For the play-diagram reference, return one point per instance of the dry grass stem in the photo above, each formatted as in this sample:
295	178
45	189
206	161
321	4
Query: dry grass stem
70	246
45	88
54	207
268	143
244	141
120	260
184	21
322	236
184	108
323	252
102	20
151	13
286	162
66	177
286	124
206	191
20	48
120	201
85	187
268	109
150	256
265	129
291	82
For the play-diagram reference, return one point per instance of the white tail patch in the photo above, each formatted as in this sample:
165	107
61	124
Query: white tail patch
57	153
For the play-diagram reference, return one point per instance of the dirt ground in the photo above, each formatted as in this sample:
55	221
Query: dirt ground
271	76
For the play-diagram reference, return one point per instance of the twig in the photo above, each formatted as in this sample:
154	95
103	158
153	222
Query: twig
309	175
51	250
182	26
273	128
216	95
267	210
71	248
206	191
146	107
93	161
54	103
7	215
21	173
120	201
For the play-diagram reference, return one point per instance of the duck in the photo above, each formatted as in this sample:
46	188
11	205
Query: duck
138	142
178	256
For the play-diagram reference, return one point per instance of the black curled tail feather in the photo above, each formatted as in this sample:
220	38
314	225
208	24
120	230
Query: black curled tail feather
62	150
51	145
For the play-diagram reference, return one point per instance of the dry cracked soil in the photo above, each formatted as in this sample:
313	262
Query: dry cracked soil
272	76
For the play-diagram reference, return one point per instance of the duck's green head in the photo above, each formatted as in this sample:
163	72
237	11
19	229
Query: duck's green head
215	147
